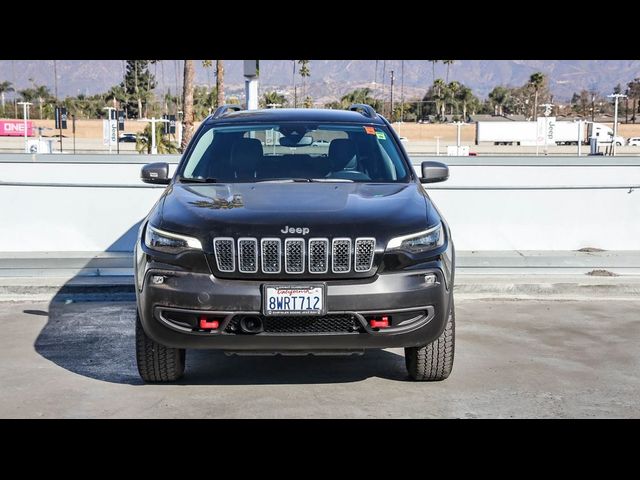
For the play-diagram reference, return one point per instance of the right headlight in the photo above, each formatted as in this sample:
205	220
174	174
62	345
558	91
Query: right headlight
169	242
419	242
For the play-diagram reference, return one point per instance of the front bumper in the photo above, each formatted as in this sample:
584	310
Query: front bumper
383	293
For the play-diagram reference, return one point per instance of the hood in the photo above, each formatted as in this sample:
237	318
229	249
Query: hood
268	209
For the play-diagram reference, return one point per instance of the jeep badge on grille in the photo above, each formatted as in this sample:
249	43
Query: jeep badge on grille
298	230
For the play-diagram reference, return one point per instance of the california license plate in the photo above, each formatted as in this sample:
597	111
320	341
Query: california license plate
293	300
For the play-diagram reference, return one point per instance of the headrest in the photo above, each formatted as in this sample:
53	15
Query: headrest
341	152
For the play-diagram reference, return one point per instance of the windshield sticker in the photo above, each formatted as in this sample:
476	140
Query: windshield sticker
370	130
381	136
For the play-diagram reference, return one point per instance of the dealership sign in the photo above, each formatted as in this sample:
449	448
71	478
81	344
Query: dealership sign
15	128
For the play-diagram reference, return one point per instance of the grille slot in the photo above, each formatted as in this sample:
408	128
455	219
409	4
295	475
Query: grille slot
299	255
247	255
294	255
341	255
339	323
365	249
270	254
225	254
318	255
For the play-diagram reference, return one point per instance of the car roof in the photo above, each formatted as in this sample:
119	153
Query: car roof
295	114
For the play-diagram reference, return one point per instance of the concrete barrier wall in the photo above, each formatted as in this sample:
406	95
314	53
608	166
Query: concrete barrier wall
90	203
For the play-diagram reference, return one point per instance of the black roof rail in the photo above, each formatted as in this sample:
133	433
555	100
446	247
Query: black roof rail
220	111
366	110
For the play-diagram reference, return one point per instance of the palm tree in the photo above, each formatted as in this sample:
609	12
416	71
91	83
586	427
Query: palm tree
536	81
304	73
452	95
118	94
220	82
499	96
433	70
439	93
163	144
187	102
448	63
467	98
361	95
5	87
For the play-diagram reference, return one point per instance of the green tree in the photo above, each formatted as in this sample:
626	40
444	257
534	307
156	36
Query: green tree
5	87
439	95
163	144
305	72
451	96
39	94
361	95
138	83
498	98
634	94
204	101
272	99
468	100
536	81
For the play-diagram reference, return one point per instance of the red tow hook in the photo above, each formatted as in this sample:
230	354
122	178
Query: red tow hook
207	324
382	323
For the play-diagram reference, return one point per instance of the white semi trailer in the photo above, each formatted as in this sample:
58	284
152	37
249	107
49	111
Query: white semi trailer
546	131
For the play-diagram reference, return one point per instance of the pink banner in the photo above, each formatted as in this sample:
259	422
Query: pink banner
15	128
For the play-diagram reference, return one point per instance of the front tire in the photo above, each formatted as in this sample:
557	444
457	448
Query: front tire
156	362
433	362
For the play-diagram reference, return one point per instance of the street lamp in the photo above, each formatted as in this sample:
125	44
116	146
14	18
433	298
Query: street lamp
25	114
615	96
153	120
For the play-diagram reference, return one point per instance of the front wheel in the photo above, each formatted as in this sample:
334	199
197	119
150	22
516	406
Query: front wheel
156	362
433	362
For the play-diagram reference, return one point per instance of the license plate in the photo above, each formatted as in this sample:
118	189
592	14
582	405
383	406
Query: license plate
293	300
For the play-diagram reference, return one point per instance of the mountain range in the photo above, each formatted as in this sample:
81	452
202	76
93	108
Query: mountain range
331	79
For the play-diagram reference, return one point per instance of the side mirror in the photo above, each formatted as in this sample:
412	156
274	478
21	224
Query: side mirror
433	172
157	173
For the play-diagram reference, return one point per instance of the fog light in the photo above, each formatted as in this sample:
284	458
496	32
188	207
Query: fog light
157	279
430	279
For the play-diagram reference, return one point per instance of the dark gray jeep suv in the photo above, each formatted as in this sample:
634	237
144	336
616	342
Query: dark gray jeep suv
294	231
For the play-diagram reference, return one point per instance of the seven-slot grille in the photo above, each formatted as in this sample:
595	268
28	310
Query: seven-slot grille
316	255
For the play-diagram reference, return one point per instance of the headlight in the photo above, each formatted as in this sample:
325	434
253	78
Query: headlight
419	242
169	242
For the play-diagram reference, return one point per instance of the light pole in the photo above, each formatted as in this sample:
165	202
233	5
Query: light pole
615	96
391	111
153	121
25	113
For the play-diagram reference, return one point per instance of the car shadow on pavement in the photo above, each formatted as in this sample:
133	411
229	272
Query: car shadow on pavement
96	339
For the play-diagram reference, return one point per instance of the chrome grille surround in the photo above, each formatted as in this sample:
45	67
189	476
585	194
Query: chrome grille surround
270	254
318	255
294	253
247	255
225	252
364	253
341	255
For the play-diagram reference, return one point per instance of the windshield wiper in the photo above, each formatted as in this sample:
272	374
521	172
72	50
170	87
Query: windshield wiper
198	180
331	180
284	180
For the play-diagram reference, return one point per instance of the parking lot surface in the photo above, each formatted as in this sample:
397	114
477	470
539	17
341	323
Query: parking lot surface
514	358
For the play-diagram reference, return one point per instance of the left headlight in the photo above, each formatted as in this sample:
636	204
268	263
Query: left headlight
419	242
168	241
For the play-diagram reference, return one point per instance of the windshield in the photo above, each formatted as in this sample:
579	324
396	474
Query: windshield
290	152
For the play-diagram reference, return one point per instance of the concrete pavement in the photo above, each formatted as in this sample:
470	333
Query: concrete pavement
514	358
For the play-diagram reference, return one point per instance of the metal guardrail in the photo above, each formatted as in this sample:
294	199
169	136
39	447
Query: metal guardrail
431	187
78	185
